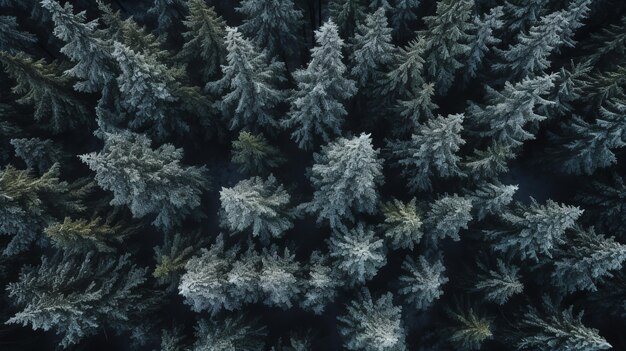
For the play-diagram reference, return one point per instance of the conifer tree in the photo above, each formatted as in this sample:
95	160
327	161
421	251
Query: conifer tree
610	42
510	110
499	284
278	279
359	254
172	256
75	296
533	231
447	216
272	24
83	235
257	204
148	181
345	175
372	50
447	39
403	224
317	106
39	154
46	88
166	13
422	281
585	260
431	151
348	14
557	329
254	154
483	40
12	39
531	53
95	66
229	334
521	15
248	86
489	163
403	13
418	106
372	324
492	198
470	329
405	78
603	201
204	39
321	284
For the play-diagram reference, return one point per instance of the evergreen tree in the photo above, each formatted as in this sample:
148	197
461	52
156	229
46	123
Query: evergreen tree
489	163
39	154
510	110
254	154
172	256
522	15
403	13
499	284
610	42
447	39
358	252
422	281
148	181
75	296
372	324
557	330
492	198
403	225
603	201
586	259
83	235
204	39
321	284
257	204
46	88
248	86
372	49
531	53
317	106
273	24
166	13
432	150
12	39
278	280
534	231
469	330
95	66
418	106
345	175
447	216
405	79
228	334
348	14
484	40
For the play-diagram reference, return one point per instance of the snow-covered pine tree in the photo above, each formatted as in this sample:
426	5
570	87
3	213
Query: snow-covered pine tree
254	154
166	12
39	154
372	324
403	224
491	198
446	217
317	106
261	205
279	278
422	281
272	24
372	49
497	285
82	235
521	15
148	181
433	151
345	176
469	329
357	252
229	334
320	287
12	39
483	40
348	14
248	85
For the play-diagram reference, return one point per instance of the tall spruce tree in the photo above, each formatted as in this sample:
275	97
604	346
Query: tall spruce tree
358	252
12	39
422	281
483	40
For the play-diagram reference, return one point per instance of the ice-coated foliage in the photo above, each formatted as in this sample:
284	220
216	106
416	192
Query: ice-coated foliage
148	181
499	284
46	88
317	105
422	280
254	154
483	40
586	259
228	334
273	24
248	87
204	38
95	65
320	286
469	329
39	154
532	231
432	151
372	49
447	38
508	111
492	198
345	176
489	163
372	324
358	253
418	106
403	224
405	78
261	205
29	203
75	296
11	38
556	329
279	281
447	216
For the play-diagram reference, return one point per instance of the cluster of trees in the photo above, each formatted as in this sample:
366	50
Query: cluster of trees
425	175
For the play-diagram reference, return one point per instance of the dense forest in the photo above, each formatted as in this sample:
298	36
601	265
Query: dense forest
294	175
